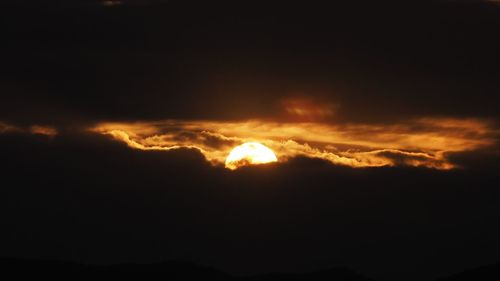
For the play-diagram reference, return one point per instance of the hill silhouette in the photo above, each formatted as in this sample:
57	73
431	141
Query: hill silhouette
181	270
484	273
172	270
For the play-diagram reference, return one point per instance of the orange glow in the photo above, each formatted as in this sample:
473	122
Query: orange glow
34	129
111	3
43	130
249	153
306	109
7	128
423	142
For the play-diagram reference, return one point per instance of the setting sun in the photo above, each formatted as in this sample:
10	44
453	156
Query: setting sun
249	153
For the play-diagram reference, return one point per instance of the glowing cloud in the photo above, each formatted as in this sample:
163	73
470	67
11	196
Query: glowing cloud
306	109
423	142
43	130
7	128
35	129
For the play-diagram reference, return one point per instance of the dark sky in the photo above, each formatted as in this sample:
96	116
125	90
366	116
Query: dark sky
82	196
182	59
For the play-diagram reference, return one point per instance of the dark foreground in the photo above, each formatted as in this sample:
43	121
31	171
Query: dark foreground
178	270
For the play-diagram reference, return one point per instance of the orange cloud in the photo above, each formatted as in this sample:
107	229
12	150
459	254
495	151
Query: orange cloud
421	143
43	130
306	109
7	128
35	129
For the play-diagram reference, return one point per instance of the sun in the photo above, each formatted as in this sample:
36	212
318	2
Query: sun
249	153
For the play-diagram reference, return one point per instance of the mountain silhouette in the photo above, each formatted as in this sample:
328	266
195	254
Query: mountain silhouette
484	273
172	270
181	270
333	274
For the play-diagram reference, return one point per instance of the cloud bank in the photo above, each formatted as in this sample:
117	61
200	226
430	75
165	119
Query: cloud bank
424	142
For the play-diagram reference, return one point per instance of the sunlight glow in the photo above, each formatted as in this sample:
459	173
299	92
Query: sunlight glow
249	153
426	142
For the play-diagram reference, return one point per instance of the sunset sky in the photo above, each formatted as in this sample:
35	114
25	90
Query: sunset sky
117	118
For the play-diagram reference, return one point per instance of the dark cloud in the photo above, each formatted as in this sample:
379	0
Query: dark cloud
376	61
404	159
87	198
204	138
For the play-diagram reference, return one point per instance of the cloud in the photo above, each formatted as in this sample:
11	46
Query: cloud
130	205
219	68
420	143
45	130
7	128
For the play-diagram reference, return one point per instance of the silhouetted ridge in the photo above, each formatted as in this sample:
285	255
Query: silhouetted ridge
484	273
38	266
172	270
333	274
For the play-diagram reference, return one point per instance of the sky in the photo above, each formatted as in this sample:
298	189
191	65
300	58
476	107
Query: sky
116	119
